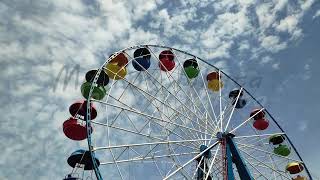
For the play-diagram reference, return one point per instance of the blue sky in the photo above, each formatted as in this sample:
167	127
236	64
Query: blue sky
276	41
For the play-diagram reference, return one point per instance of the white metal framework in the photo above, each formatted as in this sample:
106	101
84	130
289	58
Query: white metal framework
152	123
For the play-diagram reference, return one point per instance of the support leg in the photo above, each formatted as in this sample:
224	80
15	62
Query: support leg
240	164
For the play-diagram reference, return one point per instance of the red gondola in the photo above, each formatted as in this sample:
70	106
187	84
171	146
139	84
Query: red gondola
80	108
75	130
166	59
261	124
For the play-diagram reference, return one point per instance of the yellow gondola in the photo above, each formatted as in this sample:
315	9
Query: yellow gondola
299	178
115	72
215	85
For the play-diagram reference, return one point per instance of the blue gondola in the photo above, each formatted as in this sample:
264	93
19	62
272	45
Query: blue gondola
82	157
141	61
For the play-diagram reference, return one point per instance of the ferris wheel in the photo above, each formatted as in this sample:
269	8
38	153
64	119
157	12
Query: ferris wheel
156	112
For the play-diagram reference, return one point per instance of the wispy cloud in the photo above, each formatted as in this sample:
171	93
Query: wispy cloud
38	38
317	14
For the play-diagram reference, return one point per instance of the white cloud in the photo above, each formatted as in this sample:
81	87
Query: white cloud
303	125
40	38
276	66
265	15
272	43
306	74
280	4
288	24
305	5
266	59
244	45
317	14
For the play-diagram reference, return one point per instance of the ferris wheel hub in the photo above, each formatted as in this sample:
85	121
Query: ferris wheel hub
222	135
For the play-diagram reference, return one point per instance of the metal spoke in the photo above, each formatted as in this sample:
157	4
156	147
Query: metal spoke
246	121
147	144
184	165
147	158
267	152
268	166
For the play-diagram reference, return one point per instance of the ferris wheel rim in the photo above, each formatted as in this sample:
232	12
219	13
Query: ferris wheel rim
88	118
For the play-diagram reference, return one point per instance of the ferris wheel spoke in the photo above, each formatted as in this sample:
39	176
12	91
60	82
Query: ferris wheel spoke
274	164
282	173
197	94
169	75
258	140
168	150
150	102
171	131
257	170
258	135
216	170
140	159
148	144
226	110
147	115
267	152
139	133
181	129
247	120
177	128
198	166
164	103
158	169
191	160
212	162
198	135
175	113
197	120
127	86
162	86
233	108
213	120
254	149
186	109
177	162
170	120
220	102
191	122
208	118
264	158
127	130
265	170
148	121
118	169
209	98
